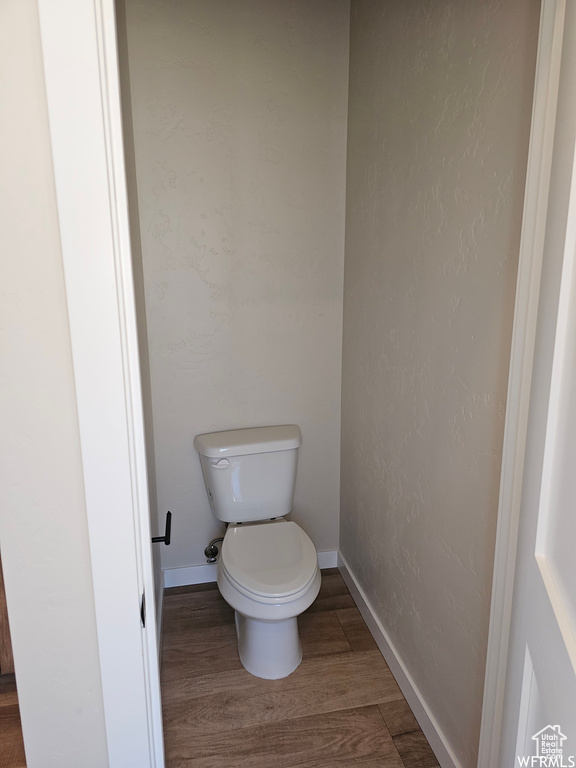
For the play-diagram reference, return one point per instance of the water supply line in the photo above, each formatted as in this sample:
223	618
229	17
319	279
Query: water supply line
211	550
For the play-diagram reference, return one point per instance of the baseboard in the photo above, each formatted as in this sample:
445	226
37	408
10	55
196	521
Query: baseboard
328	559
426	719
203	574
191	574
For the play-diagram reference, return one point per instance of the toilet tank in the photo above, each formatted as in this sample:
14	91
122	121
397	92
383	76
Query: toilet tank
250	473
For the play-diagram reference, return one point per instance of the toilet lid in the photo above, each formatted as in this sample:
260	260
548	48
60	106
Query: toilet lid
270	559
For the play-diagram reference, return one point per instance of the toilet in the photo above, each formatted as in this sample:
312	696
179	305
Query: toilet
268	567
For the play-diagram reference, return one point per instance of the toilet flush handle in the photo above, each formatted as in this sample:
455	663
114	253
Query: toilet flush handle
220	464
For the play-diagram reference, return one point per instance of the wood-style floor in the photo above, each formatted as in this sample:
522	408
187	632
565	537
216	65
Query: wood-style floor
340	708
11	744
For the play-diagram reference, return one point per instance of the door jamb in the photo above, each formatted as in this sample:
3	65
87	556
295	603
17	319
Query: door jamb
520	378
82	86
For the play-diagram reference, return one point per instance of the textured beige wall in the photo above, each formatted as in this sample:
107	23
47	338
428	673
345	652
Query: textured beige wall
439	115
239	115
43	527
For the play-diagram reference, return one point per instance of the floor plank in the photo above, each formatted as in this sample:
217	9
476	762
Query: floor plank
220	701
185	605
415	750
190	589
11	743
321	634
355	629
179	624
212	648
398	717
348	737
333	594
8	695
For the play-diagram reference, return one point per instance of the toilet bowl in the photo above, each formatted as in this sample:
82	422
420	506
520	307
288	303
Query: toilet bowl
268	572
268	568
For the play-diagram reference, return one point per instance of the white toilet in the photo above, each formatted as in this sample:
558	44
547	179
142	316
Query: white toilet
268	568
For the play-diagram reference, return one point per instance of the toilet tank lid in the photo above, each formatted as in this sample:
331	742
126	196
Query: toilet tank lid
241	442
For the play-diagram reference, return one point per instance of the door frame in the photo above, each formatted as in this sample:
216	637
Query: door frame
531	254
83	96
81	68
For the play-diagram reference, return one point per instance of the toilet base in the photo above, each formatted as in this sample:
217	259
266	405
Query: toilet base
268	649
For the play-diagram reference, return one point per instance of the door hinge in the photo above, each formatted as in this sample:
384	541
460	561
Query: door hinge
143	610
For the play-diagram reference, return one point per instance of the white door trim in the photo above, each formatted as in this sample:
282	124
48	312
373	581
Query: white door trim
82	83
520	378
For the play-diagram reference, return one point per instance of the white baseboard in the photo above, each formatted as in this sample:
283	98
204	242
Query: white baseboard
191	574
426	719
328	559
204	574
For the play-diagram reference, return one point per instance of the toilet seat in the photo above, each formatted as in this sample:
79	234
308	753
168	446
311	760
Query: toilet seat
273	562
